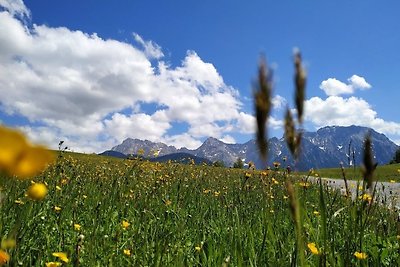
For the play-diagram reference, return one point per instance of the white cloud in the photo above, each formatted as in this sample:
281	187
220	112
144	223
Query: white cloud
209	129
359	82
15	7
89	91
182	140
275	123
151	49
246	123
336	110
279	101
227	139
334	87
141	126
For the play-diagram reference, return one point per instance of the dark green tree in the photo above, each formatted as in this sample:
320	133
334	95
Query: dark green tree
238	164
219	163
396	158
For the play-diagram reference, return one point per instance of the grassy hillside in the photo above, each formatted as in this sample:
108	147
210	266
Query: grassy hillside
103	211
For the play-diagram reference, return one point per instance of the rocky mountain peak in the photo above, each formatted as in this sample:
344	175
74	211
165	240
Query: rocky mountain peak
326	147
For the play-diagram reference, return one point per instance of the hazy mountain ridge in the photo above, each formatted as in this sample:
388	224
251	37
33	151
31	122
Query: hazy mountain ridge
326	147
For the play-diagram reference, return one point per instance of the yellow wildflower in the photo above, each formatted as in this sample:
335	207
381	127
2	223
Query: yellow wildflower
53	264
197	248
206	191
360	255
366	197
125	224
8	243
127	252
316	213
167	202
77	226
58	188
392	181
19	202
18	157
304	184
314	250
62	256
12	144
32	161
57	208
247	174
4	257
37	191
216	193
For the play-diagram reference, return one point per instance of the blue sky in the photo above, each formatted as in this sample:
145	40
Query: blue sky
93	73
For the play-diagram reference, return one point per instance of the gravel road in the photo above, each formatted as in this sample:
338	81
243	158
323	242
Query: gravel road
386	192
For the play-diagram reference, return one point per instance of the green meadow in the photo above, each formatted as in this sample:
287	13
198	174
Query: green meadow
384	173
102	211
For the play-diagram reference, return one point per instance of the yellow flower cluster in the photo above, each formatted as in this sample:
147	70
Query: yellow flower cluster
125	224
18	157
53	264
4	257
37	191
62	256
360	255
77	226
304	184
366	197
314	250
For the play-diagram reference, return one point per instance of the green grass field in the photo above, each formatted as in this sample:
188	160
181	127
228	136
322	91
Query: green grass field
384	173
103	211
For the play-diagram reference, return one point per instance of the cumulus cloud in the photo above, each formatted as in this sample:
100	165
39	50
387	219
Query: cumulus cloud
141	126
15	7
228	139
359	82
279	101
151	49
336	110
246	123
88	91
182	140
334	87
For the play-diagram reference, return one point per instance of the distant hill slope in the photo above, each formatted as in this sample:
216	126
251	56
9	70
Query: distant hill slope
182	157
179	157
327	147
112	153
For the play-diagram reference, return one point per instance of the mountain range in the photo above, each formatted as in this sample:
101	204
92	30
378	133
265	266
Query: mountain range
327	147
